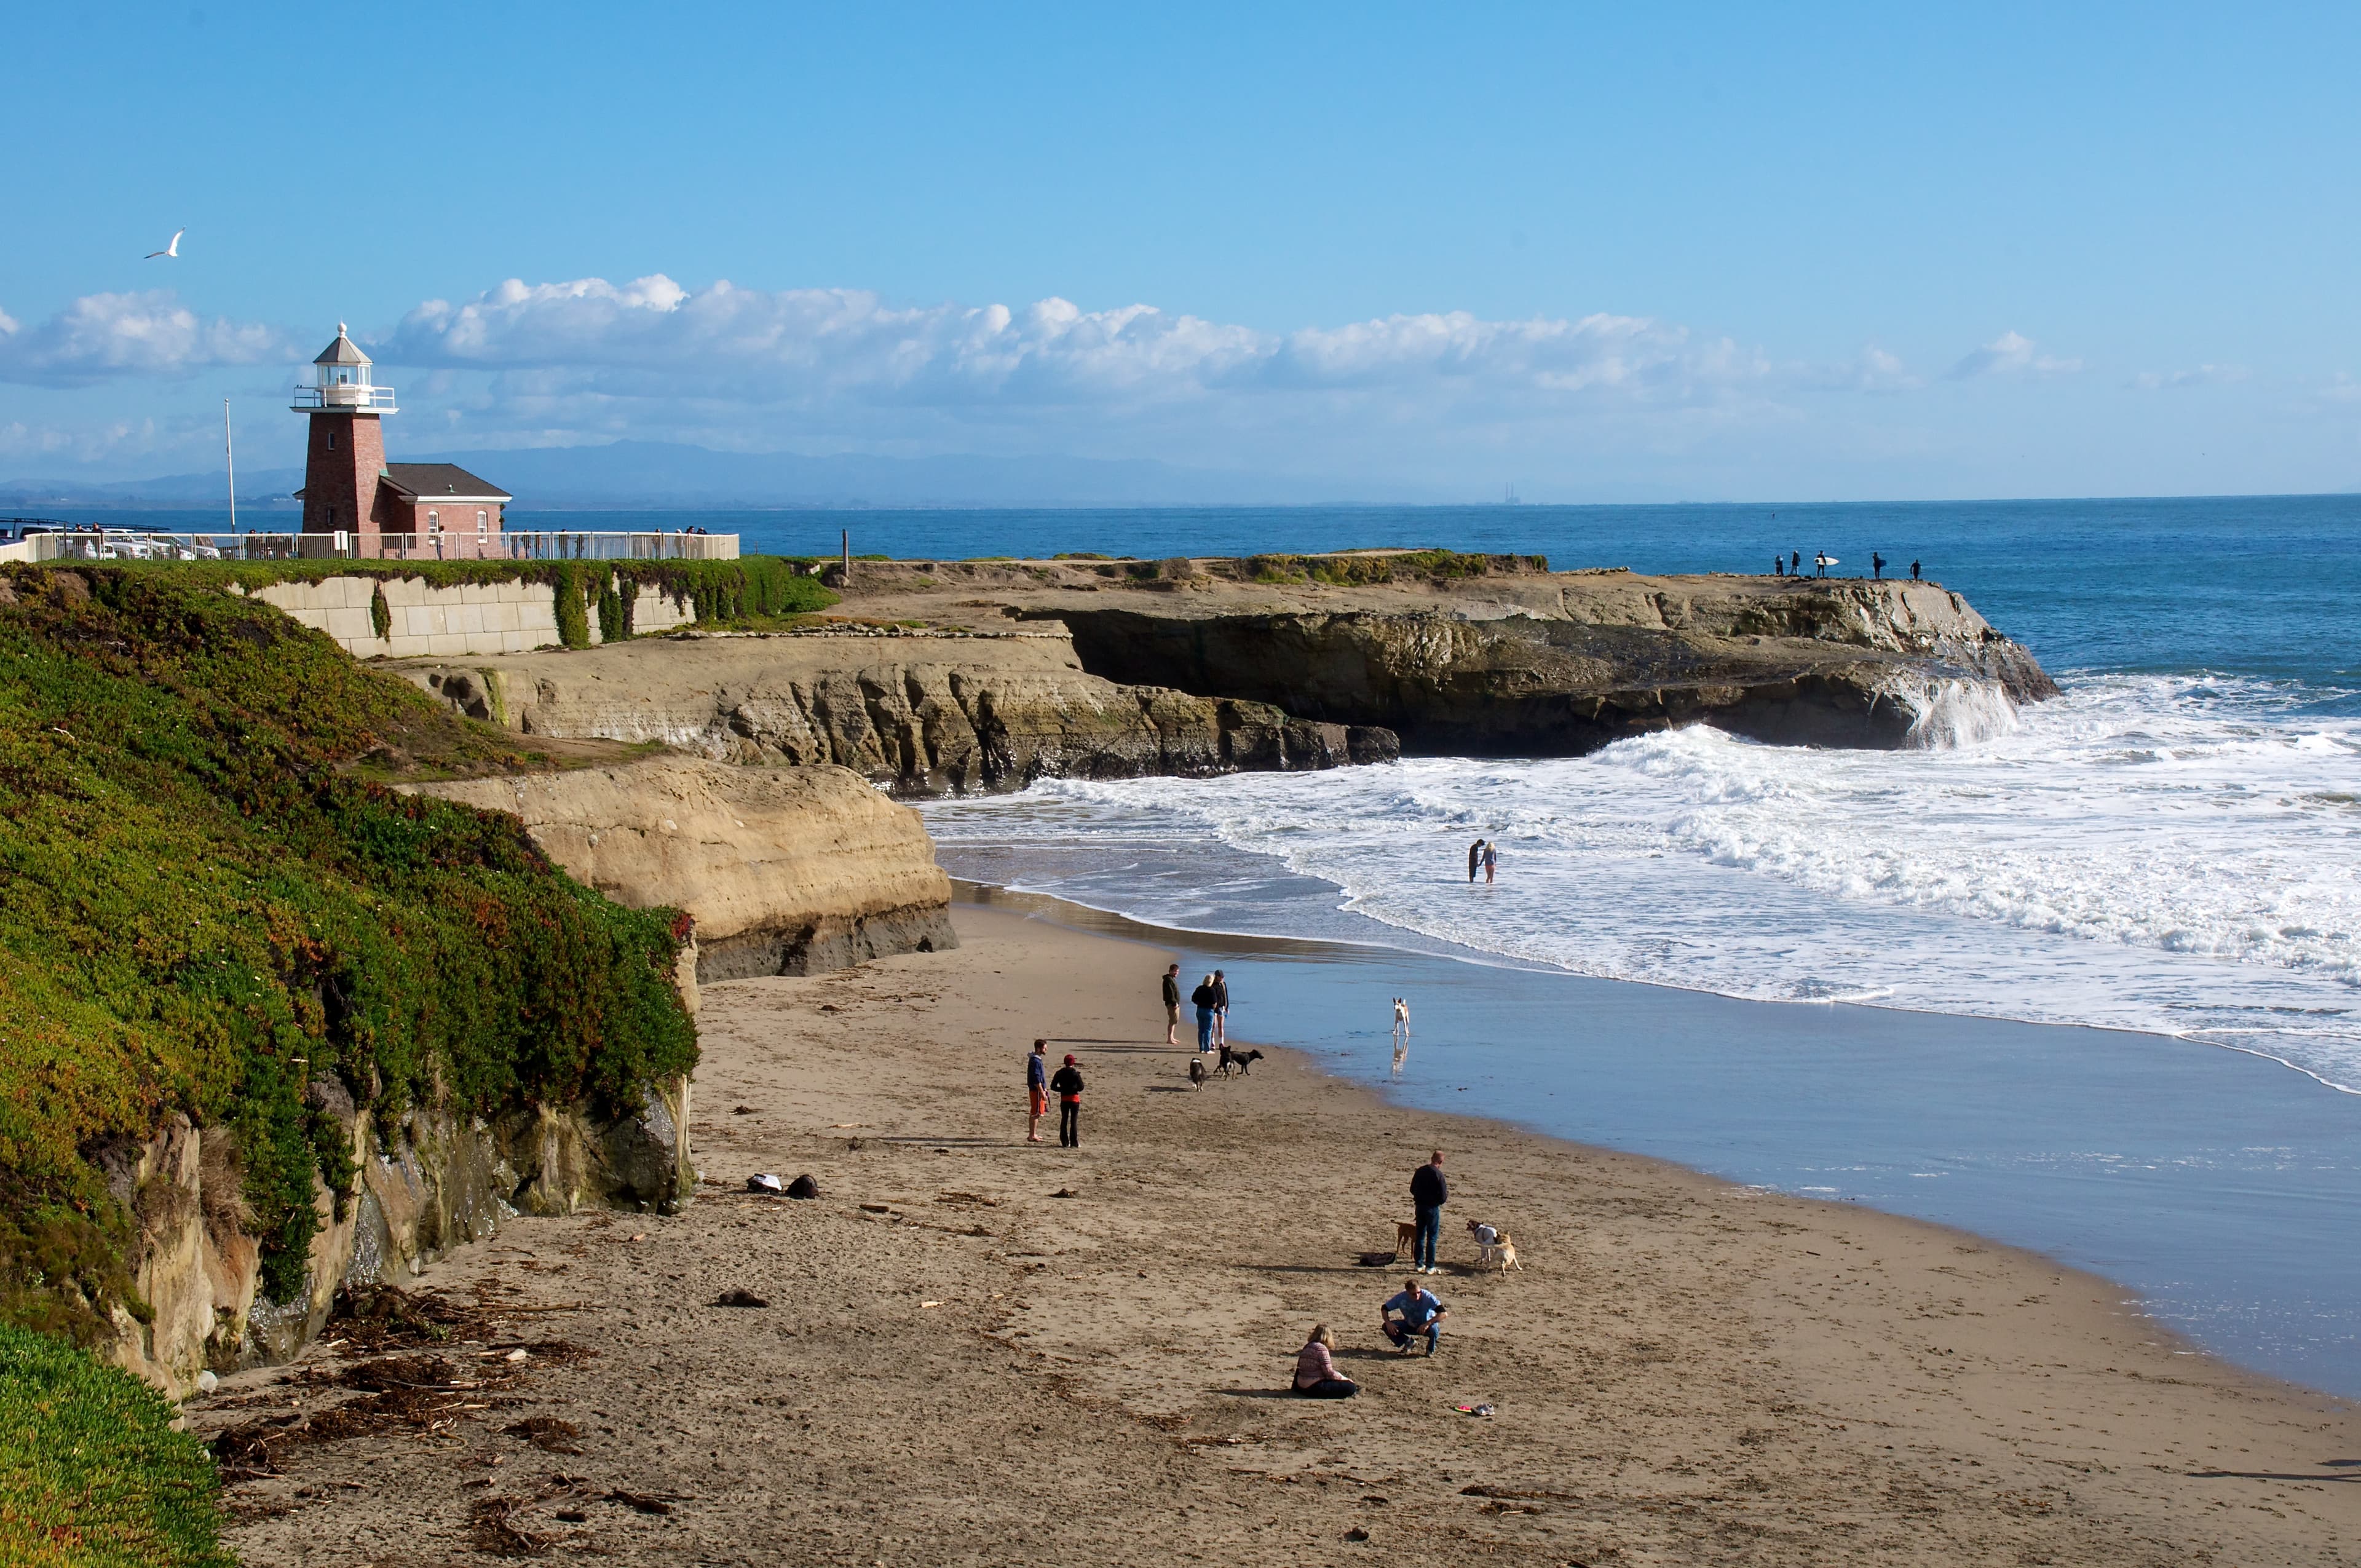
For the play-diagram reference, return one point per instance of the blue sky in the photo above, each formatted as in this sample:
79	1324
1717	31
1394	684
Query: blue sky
1709	252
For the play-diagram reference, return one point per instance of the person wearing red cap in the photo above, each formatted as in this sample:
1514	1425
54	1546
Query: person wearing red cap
1068	1086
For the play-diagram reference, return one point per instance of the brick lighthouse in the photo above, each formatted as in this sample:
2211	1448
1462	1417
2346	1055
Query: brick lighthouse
434	509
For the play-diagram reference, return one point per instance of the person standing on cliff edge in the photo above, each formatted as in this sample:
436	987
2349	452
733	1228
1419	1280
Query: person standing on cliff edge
1914	571
1173	1004
1475	858
1876	567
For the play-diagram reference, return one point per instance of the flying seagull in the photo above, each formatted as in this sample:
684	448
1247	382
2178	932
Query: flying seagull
173	250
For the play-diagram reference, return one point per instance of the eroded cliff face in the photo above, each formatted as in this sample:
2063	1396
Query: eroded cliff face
921	712
1523	686
427	1183
1506	659
785	870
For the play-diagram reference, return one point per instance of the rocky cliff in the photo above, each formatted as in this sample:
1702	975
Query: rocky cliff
920	710
423	1184
1496	655
786	870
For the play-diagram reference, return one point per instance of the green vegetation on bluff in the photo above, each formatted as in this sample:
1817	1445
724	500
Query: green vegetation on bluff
752	591
91	1474
1359	569
204	910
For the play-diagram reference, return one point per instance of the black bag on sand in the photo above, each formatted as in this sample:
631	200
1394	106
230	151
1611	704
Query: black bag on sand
803	1187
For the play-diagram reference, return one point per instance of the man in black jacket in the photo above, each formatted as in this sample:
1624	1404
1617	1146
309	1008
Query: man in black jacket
1171	1004
1428	1194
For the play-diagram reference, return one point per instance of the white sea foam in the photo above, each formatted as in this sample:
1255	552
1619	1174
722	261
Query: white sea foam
2145	852
1952	713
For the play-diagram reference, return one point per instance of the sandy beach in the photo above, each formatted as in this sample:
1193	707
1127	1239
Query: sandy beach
977	1351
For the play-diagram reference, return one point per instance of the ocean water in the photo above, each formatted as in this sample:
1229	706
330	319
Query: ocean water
2173	846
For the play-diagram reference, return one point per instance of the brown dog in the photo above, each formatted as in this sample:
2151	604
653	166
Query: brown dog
1405	1235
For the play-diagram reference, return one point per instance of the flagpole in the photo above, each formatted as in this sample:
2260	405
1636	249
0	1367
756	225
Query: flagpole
229	455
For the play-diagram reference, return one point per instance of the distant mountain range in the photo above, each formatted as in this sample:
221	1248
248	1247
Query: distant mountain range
657	474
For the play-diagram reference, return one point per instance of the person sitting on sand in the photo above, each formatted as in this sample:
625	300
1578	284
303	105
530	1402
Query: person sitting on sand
1421	1313
1068	1087
1315	1369
1036	1090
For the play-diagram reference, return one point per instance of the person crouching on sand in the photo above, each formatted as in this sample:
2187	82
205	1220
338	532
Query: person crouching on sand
1036	1090
1315	1368
1068	1087
1421	1313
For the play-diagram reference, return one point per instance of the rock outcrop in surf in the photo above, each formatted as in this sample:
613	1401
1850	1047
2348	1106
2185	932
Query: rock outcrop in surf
1496	655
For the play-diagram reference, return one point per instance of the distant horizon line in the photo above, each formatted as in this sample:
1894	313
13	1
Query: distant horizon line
274	502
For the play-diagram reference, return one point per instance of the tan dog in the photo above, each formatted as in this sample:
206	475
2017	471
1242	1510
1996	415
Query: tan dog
1405	1235
1493	1247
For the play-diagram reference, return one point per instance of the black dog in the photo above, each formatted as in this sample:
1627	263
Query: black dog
1239	1059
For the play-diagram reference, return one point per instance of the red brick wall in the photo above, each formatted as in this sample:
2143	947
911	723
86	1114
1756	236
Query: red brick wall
458	523
340	482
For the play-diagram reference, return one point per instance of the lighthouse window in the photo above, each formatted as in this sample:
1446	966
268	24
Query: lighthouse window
483	523
332	441
434	522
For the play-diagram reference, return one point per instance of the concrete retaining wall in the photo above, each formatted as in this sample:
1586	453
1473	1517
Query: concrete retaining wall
473	618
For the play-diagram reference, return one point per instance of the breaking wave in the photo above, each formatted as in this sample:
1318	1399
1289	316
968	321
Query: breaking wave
1957	712
2164	854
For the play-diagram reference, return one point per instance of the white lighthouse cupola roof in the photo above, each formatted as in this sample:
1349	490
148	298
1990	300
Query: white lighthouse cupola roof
340	380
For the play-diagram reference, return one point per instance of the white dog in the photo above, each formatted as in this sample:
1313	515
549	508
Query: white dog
1493	1247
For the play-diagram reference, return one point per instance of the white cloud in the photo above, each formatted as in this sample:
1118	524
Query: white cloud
1873	369
2010	354
149	333
808	345
2202	376
2341	389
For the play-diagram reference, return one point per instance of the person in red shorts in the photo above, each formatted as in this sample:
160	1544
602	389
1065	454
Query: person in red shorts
1036	1090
